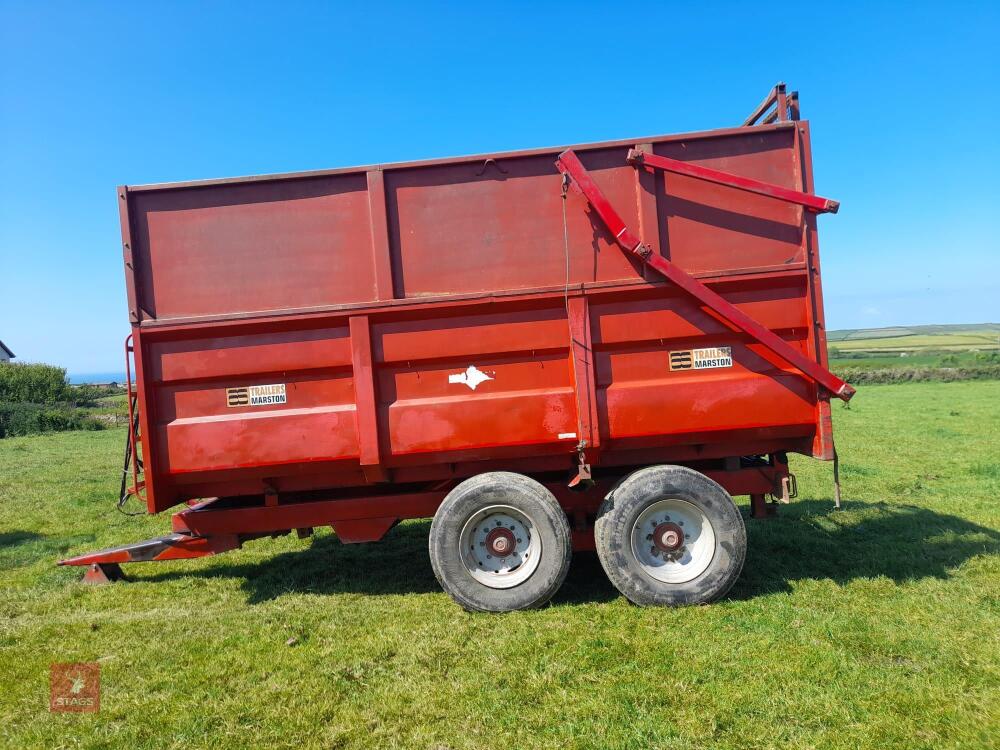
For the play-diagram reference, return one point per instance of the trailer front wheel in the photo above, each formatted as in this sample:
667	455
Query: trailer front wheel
500	542
669	535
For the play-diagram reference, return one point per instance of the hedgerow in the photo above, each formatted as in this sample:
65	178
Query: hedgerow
37	398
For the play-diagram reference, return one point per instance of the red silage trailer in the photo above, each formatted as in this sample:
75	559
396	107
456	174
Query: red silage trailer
547	350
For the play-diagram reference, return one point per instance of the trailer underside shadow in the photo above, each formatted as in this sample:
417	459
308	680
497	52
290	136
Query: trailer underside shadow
806	542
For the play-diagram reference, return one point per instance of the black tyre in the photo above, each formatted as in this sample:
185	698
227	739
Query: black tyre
500	542
670	536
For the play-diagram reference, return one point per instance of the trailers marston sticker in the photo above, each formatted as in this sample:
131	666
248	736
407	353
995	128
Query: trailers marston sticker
702	359
256	395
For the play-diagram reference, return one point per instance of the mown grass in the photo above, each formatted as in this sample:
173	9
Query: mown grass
966	329
920	358
869	628
986	340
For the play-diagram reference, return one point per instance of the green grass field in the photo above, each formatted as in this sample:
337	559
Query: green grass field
945	341
934	359
874	627
934	352
916	346
978	332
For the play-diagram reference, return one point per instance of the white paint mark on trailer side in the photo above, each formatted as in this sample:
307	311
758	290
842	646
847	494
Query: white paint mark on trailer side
471	377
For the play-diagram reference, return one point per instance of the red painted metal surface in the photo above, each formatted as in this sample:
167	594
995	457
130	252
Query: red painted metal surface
220	525
433	320
809	201
101	573
786	107
169	547
569	164
134	460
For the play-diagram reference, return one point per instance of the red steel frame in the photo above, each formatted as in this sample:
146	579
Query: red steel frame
218	525
786	107
569	164
133	443
414	470
213	527
814	203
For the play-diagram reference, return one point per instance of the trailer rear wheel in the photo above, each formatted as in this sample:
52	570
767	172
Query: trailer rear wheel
500	542
669	535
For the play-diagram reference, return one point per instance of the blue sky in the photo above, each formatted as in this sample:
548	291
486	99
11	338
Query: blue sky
904	103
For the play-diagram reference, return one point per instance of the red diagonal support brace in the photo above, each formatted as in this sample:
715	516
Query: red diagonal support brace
811	202
569	164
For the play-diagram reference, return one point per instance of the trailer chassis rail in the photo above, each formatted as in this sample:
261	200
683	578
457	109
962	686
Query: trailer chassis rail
222	524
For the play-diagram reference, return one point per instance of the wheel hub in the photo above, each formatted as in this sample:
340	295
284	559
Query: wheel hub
668	537
500	547
672	540
500	542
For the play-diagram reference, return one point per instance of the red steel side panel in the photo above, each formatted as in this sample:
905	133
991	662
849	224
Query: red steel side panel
419	319
454	230
642	397
254	247
198	431
709	227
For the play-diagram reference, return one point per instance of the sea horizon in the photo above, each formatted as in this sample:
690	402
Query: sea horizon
84	378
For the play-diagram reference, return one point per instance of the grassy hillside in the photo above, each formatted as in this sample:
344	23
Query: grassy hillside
972	347
979	331
869	628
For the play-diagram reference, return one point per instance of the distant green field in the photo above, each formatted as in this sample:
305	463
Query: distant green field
989	330
948	341
966	346
910	360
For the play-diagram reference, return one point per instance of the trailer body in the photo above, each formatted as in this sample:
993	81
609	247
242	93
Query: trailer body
342	346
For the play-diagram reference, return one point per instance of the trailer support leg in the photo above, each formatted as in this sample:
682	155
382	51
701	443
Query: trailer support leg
760	508
104	566
101	573
836	480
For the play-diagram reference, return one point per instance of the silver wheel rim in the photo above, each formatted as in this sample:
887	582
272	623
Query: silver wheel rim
500	547
660	553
